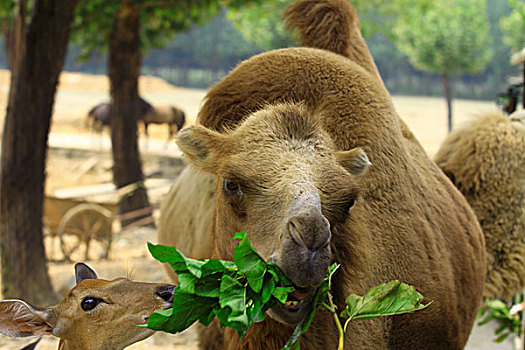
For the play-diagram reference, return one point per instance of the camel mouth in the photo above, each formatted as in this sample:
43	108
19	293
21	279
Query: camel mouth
296	307
299	297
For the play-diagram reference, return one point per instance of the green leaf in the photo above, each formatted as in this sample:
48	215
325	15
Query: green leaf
186	309
176	259
267	289
386	299
281	293
249	262
206	286
233	296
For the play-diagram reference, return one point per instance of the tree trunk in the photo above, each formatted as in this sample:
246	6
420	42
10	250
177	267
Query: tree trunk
124	68
24	149
447	90
14	36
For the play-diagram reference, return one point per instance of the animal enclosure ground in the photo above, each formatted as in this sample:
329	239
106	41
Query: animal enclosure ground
77	93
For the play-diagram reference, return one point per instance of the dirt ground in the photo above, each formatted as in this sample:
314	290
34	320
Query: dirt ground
79	92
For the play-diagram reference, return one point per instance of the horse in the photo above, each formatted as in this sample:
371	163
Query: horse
100	116
168	114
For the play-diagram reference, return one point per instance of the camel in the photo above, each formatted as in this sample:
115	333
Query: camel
303	149
485	159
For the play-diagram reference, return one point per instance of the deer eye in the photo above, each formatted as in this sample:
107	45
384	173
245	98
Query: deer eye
89	303
231	188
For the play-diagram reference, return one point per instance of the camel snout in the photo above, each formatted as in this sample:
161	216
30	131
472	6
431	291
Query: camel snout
306	251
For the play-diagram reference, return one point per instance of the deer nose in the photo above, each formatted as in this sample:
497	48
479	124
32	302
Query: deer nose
165	292
310	229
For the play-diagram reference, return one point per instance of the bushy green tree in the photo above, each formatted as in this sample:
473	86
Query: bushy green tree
445	38
261	24
513	26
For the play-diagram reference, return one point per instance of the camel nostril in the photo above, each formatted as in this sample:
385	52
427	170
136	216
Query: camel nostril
166	293
294	233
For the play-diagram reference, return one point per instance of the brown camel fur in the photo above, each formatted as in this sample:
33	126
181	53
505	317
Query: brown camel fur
486	160
285	135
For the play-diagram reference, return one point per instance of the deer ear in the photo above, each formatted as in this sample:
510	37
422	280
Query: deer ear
84	272
354	160
19	319
201	145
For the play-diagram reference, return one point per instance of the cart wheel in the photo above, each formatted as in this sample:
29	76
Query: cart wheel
82	224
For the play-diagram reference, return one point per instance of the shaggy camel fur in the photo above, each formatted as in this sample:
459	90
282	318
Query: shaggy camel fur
486	160
285	132
196	190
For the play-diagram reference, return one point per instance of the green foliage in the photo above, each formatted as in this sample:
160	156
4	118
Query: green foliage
445	37
498	310
262	25
237	292
160	20
513	26
387	299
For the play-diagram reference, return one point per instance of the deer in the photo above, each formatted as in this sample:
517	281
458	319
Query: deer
95	315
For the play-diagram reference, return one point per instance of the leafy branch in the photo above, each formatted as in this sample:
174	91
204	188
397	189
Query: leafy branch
386	299
509	323
239	292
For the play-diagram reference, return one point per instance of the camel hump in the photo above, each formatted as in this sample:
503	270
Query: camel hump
330	25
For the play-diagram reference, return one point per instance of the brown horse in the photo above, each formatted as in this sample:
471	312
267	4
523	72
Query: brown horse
168	114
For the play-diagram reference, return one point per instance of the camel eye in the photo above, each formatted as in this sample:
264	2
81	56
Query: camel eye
89	303
231	188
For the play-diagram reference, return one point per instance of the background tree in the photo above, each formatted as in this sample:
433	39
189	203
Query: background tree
24	149
128	28
513	26
446	38
261	24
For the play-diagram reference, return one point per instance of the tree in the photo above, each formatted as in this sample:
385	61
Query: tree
446	38
13	25
24	148
262	25
128	28
513	26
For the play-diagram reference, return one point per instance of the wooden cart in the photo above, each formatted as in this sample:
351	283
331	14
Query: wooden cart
80	216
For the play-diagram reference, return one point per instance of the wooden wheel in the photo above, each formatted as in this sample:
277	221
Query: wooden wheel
82	224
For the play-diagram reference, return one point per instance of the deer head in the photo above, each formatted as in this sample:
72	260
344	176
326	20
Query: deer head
96	314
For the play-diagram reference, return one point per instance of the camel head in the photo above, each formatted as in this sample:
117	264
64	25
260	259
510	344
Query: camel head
281	180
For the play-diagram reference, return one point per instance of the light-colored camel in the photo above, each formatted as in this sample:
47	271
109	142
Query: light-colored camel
486	161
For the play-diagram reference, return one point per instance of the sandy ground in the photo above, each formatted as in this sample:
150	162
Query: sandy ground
77	93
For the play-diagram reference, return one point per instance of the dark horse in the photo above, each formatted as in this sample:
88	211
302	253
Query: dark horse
100	116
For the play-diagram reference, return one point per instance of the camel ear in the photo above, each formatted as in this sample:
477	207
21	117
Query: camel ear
201	145
19	319
84	272
354	160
